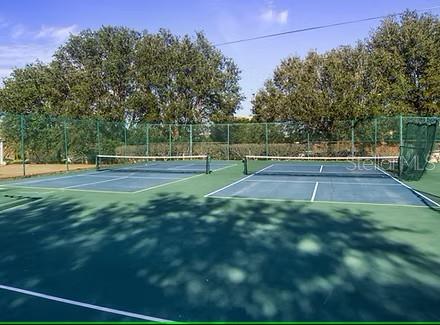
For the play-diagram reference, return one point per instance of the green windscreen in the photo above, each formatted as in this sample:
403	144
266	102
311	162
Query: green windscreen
415	152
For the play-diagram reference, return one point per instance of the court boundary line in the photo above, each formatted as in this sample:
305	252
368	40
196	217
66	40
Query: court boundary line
312	182
236	182
42	178
83	304
315	202
60	189
97	182
97	191
409	187
314	192
165	184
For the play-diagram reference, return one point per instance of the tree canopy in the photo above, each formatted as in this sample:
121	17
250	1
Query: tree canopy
394	71
120	74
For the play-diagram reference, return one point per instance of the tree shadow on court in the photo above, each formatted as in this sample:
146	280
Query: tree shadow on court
182	258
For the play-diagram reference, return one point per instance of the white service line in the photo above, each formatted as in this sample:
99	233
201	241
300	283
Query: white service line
225	167
131	177
93	183
409	187
237	182
314	192
320	169
167	183
313	182
82	304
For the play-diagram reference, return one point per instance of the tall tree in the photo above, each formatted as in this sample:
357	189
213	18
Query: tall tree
405	60
393	72
120	74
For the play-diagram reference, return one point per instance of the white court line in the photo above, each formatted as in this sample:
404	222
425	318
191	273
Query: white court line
167	183
409	187
93	183
44	178
237	182
320	169
225	167
321	182
319	202
314	192
185	167
55	189
131	177
18	206
82	304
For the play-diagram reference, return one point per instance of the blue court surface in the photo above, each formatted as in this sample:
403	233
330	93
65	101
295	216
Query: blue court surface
317	182
133	179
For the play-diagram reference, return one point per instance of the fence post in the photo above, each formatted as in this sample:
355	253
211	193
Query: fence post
65	145
190	140
308	144
352	138
22	143
375	136
266	139
147	138
170	149
400	130
400	145
228	143
125	140
98	137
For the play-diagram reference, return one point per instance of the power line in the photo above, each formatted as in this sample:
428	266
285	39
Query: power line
319	27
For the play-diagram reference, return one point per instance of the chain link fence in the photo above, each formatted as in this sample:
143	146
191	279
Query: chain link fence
37	144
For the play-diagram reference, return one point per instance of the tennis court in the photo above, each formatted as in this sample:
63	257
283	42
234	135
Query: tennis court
126	174
169	253
322	180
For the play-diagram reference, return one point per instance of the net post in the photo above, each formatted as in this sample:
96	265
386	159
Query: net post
228	142
245	165
208	168
97	162
266	132
22	143
66	153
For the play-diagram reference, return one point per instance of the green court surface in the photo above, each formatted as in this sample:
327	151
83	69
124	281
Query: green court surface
171	253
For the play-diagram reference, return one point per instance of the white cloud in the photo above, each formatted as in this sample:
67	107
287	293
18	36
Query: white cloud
57	33
273	16
18	55
17	31
4	73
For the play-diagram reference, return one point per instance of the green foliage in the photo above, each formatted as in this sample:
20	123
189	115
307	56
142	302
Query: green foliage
393	72
120	74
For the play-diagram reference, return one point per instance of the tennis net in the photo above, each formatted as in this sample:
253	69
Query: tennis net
152	164
322	166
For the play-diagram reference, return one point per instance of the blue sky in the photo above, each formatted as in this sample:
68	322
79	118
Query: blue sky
33	29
